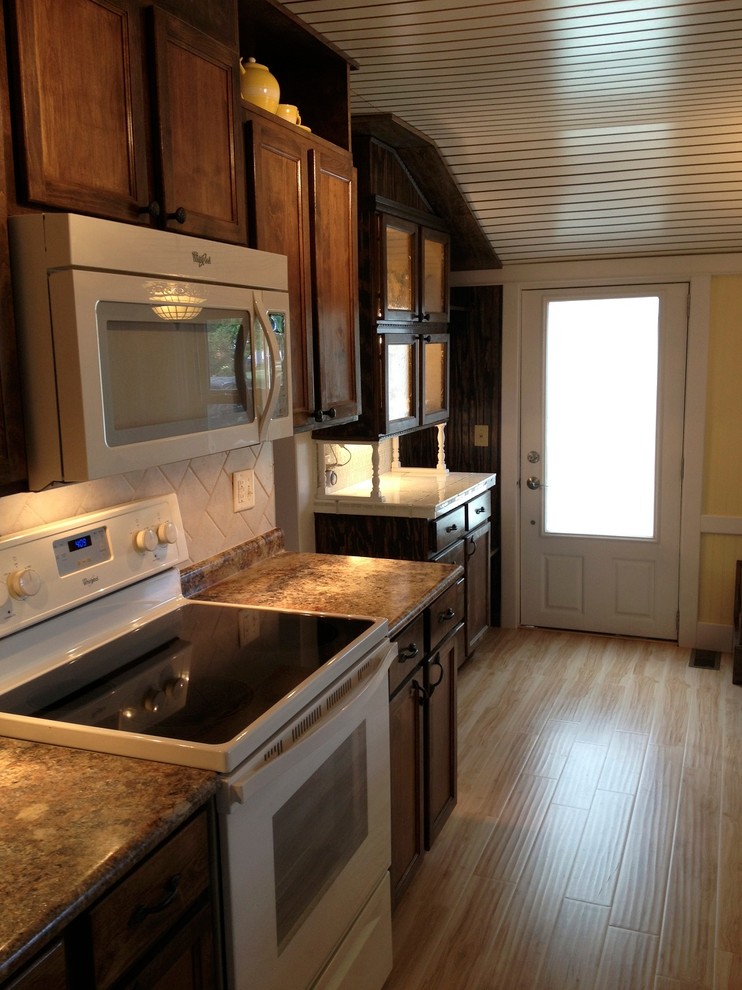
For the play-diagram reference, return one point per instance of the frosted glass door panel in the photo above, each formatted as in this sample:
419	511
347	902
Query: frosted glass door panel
400	269
435	372
401	364
601	395
435	289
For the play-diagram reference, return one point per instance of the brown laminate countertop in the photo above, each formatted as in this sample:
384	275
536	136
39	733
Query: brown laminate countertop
71	824
396	590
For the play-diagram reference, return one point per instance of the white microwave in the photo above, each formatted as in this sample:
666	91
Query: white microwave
141	347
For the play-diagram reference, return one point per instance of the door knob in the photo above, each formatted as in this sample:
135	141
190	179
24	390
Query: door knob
534	483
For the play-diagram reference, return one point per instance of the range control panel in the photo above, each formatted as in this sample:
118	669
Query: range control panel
60	565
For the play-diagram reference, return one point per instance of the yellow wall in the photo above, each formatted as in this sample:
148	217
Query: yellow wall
722	483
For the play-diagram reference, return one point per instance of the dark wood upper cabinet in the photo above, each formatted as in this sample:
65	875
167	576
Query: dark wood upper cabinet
80	100
199	132
302	204
88	142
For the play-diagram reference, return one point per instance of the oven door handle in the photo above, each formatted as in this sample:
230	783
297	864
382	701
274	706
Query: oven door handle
268	763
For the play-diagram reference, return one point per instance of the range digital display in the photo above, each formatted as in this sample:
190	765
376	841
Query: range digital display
80	543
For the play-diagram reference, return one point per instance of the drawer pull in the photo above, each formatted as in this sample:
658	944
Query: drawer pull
446	616
432	685
408	653
452	528
480	510
171	890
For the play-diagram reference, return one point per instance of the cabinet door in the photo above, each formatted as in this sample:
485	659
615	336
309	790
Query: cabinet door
435	266
401	385
406	749
440	736
400	269
200	147
477	572
277	170
335	286
185	961
434	364
82	112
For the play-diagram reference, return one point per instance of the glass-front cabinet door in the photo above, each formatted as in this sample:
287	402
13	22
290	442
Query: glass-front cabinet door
401	362
399	239
434	281
434	378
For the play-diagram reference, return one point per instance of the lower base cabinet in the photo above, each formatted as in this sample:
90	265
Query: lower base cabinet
154	930
422	727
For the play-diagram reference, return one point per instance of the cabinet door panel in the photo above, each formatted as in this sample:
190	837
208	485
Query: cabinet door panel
440	738
434	277
201	152
477	585
280	219
434	378
47	973
82	107
335	271
401	386
406	748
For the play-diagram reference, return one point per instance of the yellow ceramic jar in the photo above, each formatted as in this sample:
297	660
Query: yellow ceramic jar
258	85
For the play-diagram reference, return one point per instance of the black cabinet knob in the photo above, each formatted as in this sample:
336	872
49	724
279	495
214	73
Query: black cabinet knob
320	415
152	208
180	215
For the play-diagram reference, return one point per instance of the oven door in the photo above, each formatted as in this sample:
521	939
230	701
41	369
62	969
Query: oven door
305	846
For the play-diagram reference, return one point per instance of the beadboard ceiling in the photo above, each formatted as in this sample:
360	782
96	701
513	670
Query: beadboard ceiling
575	131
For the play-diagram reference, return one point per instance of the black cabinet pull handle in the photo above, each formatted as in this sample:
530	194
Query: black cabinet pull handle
320	415
473	545
171	890
446	616
480	510
423	316
423	695
452	528
180	215
408	653
431	684
152	208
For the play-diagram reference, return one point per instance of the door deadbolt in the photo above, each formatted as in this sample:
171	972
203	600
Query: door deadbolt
533	457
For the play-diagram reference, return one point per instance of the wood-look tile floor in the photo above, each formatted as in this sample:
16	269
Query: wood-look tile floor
597	839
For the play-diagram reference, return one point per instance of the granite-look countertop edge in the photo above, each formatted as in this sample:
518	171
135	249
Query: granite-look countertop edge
379	587
73	823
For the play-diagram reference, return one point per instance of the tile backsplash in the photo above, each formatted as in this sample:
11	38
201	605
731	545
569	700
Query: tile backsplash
203	486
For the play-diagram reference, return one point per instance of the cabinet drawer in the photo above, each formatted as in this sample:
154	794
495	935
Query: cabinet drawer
144	905
411	644
478	510
449	528
446	612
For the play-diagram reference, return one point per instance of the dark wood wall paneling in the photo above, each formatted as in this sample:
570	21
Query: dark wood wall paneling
476	345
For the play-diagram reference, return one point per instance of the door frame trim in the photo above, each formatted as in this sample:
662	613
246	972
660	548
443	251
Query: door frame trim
697	272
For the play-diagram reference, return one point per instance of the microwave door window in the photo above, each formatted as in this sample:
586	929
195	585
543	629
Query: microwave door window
165	378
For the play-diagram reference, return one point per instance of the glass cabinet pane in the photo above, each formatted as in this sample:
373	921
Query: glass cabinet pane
435	379
435	282
401	370
400	268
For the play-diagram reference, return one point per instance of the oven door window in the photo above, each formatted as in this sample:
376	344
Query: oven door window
318	831
170	371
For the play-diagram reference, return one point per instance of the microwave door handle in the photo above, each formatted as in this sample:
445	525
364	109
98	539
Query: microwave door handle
270	337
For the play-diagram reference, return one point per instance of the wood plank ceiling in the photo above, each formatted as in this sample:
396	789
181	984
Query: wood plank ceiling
575	130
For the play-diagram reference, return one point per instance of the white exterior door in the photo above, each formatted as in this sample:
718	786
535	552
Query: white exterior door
602	398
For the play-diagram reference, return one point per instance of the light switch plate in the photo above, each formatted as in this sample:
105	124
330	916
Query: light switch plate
481	436
243	490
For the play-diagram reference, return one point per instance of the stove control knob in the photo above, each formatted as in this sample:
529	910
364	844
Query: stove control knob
154	700
146	539
24	584
167	532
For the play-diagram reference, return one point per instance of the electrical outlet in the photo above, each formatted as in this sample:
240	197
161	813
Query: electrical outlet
481	436
243	490
249	626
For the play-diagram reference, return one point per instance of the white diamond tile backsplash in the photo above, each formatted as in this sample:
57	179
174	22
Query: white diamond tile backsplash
203	486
